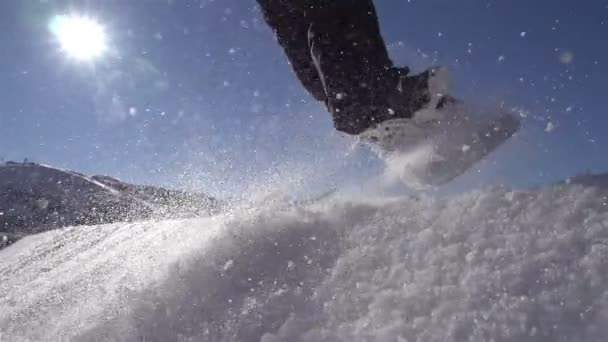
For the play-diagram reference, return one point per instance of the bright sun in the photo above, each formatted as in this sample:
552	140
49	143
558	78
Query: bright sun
80	37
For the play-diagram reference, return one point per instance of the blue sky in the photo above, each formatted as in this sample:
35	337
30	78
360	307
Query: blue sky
198	94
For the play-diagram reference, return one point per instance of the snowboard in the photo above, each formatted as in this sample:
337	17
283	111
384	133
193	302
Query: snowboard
423	155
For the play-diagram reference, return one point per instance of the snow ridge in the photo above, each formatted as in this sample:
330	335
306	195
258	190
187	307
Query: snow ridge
35	198
489	265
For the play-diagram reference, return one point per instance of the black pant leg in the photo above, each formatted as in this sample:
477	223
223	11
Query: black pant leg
352	61
338	53
289	22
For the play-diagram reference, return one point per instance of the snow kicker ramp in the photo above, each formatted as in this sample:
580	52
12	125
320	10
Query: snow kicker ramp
486	266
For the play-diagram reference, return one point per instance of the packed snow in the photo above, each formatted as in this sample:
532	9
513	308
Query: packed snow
491	265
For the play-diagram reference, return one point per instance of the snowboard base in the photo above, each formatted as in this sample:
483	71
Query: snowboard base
449	150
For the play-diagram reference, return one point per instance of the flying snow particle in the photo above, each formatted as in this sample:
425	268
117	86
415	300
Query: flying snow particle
522	113
133	111
228	265
550	127
291	265
42	203
566	57
522	34
501	58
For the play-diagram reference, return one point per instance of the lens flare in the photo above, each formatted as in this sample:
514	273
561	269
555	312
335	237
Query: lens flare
80	37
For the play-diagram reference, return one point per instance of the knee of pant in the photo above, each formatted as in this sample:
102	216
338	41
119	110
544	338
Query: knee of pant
350	123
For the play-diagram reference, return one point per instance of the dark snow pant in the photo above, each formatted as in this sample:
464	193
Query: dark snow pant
337	52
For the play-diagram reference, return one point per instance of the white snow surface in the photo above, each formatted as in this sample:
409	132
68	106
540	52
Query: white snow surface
491	265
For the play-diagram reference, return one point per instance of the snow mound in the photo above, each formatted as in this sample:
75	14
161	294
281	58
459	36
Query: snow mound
489	265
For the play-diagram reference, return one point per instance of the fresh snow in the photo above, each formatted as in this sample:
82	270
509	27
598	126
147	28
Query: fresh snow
492	265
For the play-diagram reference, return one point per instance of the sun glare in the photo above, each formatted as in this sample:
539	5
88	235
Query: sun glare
80	37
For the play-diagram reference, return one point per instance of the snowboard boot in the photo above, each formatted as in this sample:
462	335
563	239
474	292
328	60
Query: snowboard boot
416	105
416	93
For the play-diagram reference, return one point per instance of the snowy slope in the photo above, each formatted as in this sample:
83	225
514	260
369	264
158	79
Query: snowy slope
36	197
489	265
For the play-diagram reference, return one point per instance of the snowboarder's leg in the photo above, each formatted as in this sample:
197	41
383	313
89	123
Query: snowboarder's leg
351	58
290	24
338	53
